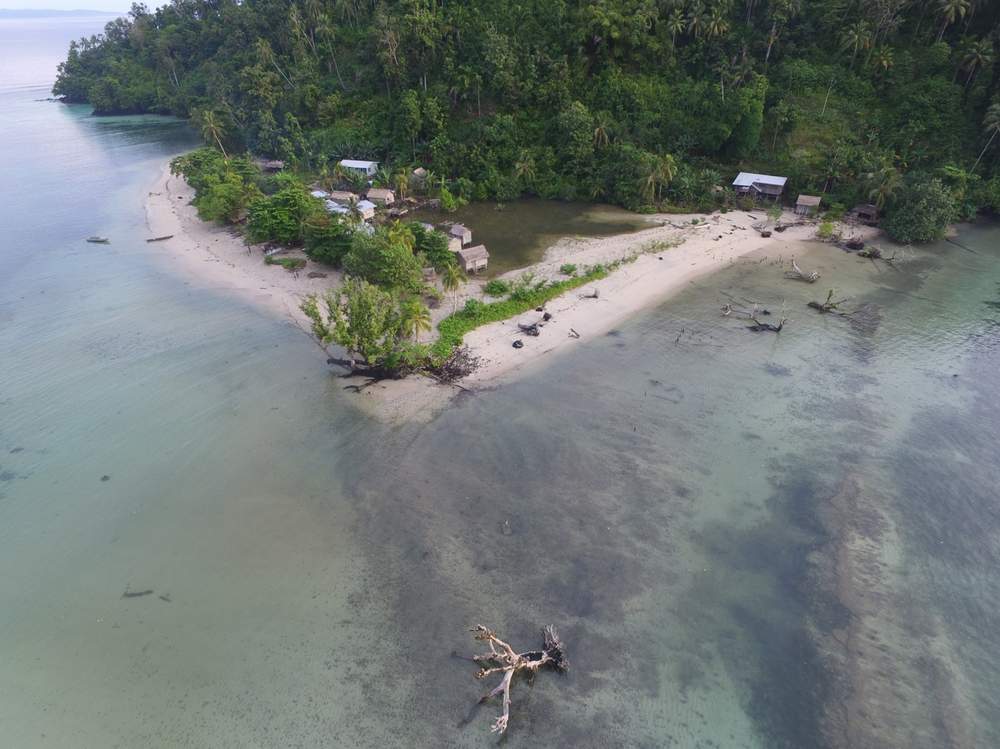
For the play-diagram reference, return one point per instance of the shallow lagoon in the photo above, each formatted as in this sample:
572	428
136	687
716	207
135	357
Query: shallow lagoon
692	504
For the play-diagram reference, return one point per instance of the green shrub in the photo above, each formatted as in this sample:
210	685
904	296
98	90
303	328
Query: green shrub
288	263
825	230
920	212
475	313
496	287
279	217
326	239
567	269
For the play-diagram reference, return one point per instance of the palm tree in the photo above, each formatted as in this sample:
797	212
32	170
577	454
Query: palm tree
676	25
414	318
383	177
991	125
951	11
666	170
978	55
884	183
856	38
717	25
883	59
401	181
696	19
452	280
524	168
602	128
211	129
398	233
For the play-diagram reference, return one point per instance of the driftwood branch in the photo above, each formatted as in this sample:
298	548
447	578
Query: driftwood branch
502	659
735	310
829	305
797	274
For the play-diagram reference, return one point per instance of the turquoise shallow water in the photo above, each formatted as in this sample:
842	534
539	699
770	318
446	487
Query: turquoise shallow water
746	540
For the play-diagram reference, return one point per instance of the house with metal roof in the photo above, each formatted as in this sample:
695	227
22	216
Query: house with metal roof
759	185
807	205
364	168
367	209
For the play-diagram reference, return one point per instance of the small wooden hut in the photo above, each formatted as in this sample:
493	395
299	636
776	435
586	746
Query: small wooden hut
381	196
866	213
473	259
807	205
461	233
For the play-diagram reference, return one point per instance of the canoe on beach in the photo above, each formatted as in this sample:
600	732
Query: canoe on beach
98	240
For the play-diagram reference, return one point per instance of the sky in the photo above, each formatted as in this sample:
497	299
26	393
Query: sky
112	6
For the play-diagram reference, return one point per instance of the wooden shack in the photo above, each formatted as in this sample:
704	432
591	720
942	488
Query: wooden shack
381	196
460	233
473	259
807	205
344	196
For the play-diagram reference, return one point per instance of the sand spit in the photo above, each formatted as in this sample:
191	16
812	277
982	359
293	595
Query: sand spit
677	251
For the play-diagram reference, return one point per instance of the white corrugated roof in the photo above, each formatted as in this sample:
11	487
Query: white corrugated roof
356	164
318	193
366	204
748	179
335	207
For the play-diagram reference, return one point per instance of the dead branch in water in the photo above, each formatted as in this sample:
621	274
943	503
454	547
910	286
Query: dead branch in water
752	314
503	660
829	305
797	274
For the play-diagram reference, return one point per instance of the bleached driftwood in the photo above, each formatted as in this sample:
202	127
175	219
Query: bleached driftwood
734	310
797	274
503	660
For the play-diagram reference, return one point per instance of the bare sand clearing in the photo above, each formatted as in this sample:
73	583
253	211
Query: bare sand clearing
717	241
673	254
218	258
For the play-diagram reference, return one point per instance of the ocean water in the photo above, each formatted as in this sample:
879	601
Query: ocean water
746	540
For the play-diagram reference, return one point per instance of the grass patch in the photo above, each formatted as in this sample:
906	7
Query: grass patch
291	264
568	269
496	287
475	313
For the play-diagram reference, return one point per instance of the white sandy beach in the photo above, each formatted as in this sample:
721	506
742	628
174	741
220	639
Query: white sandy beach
218	258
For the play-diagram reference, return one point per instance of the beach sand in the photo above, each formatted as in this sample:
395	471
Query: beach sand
671	255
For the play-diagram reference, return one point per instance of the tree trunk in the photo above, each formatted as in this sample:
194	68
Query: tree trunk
983	152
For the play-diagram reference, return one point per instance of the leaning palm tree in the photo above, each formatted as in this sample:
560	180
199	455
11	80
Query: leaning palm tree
401	181
978	55
951	11
211	129
716	26
452	280
696	19
883	59
991	125
856	38
884	183
602	130
414	318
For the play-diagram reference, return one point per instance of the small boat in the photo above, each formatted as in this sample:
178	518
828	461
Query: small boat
160	239
98	240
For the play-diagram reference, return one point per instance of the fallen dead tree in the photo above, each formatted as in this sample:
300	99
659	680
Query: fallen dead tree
752	314
503	660
829	305
797	274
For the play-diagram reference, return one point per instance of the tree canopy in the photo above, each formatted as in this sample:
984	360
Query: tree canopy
631	101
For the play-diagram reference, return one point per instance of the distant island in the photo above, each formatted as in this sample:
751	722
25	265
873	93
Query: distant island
48	13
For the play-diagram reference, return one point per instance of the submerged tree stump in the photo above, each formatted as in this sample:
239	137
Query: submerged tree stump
503	660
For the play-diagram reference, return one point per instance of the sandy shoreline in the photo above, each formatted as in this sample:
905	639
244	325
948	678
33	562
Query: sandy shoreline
217	258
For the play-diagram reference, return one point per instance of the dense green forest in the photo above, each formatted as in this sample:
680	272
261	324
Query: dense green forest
639	102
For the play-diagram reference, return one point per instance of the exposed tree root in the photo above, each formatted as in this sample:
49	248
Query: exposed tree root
503	660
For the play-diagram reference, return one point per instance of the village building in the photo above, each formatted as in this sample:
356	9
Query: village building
460	233
807	205
473	259
757	186
454	244
343	196
367	209
332	206
364	168
272	165
381	196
